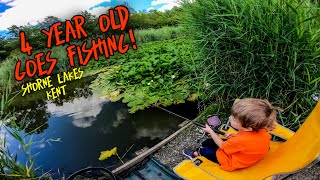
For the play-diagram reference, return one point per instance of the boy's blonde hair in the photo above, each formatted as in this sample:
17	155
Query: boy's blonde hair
255	113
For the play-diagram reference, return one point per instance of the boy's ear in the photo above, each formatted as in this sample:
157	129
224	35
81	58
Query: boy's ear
249	129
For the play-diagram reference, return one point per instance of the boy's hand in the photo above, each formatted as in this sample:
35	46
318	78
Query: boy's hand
208	129
228	135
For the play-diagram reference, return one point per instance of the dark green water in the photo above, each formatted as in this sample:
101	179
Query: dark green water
70	132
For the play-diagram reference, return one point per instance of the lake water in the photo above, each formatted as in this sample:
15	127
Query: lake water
70	132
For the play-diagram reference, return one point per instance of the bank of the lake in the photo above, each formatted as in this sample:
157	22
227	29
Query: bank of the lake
171	154
70	132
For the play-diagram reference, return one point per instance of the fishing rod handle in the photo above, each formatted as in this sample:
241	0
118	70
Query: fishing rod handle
203	126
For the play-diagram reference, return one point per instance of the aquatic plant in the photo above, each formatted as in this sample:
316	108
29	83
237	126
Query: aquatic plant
106	154
158	73
10	167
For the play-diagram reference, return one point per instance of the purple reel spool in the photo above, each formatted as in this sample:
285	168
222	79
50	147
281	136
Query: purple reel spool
214	121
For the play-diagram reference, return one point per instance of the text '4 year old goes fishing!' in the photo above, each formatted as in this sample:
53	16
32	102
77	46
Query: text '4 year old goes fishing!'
117	20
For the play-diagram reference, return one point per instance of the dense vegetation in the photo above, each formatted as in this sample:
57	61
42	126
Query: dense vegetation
258	48
154	19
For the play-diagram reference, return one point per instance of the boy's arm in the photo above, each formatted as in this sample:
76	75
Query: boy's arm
214	136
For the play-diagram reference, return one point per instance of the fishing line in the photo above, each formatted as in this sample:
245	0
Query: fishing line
168	111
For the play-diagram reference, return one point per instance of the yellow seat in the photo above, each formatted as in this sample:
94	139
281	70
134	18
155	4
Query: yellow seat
282	132
279	131
300	150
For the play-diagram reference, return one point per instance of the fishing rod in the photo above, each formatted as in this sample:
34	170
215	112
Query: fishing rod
218	122
203	126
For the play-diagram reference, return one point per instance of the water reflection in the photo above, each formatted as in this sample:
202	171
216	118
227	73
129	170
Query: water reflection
80	126
32	114
121	115
74	90
83	110
153	126
32	118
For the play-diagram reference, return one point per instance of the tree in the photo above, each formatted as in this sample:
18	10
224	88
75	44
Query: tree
131	9
3	50
14	30
47	22
91	24
154	19
33	35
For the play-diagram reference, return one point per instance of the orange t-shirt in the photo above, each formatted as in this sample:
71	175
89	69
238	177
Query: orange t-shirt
243	149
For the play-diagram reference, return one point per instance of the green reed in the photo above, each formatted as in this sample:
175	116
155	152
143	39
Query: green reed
10	167
257	48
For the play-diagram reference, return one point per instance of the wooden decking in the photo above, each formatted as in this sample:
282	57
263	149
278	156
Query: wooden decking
150	151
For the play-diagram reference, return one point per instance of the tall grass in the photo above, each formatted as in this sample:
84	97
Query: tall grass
7	71
10	167
257	48
164	33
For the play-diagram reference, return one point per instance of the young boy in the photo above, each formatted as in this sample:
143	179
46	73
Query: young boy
253	118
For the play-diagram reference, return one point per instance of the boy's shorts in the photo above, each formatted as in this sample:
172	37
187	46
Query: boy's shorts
208	150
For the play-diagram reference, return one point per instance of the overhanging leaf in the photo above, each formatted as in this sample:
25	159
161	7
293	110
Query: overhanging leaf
106	154
192	97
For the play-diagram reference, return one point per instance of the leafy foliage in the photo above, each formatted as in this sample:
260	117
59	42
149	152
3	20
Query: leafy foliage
4	51
159	73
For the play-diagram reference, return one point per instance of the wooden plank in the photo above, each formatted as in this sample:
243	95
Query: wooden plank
142	156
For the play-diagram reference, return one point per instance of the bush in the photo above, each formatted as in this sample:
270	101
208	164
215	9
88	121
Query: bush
257	48
7	67
7	71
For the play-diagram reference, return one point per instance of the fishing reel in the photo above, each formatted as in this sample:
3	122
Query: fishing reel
92	173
